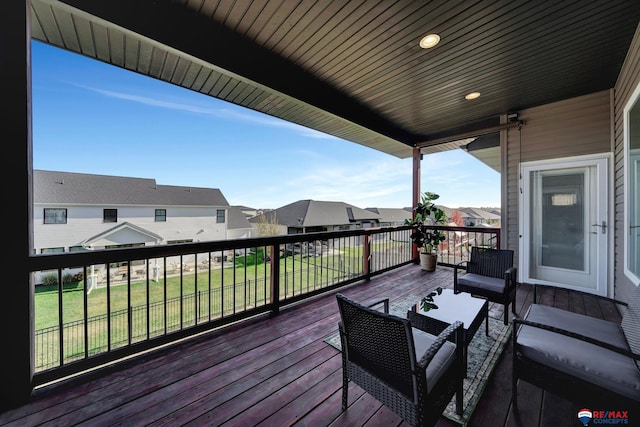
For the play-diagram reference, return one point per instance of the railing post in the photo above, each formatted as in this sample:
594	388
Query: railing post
130	325
274	279
366	256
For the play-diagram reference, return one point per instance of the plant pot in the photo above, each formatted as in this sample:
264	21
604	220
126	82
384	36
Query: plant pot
428	261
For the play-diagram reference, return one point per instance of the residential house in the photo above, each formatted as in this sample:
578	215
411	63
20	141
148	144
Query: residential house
474	217
78	211
390	217
560	111
308	216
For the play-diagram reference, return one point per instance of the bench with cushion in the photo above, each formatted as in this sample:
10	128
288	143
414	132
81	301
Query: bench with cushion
577	357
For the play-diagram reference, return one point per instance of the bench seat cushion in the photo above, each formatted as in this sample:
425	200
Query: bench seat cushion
588	362
486	283
601	330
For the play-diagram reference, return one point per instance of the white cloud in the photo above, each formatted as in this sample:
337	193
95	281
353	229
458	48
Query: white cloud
228	113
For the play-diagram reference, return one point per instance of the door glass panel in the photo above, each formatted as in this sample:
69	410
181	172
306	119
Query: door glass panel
558	225
563	221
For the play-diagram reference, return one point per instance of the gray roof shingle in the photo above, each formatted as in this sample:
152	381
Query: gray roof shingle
88	189
313	213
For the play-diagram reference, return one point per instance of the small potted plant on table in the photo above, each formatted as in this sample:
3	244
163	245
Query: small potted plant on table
426	238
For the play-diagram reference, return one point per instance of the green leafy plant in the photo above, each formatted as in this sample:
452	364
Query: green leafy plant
427	302
427	215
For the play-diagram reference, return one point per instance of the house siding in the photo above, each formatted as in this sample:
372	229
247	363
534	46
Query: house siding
573	127
628	80
84	222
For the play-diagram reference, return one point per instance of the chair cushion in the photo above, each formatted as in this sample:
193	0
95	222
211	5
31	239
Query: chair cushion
590	363
486	283
441	362
601	330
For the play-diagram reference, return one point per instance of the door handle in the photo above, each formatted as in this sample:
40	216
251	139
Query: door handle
603	226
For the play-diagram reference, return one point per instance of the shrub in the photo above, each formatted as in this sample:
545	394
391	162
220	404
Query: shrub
50	279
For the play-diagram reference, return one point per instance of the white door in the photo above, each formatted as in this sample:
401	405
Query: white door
565	223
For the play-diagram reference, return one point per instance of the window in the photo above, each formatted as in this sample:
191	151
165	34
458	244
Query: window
174	242
161	215
632	187
110	215
220	216
55	216
51	250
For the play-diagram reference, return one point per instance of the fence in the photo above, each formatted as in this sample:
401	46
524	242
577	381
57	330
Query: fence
138	298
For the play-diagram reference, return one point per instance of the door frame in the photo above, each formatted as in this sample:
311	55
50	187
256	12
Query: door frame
606	274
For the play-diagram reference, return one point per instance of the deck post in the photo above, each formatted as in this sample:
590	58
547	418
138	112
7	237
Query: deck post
417	157
16	304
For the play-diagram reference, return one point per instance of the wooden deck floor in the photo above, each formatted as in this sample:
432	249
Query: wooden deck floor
278	372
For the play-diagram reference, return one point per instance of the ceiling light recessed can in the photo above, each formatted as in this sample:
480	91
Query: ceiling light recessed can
429	41
472	95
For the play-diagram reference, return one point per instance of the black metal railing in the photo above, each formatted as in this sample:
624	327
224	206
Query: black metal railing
99	306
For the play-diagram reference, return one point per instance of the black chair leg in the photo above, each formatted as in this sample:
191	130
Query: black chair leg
345	392
506	314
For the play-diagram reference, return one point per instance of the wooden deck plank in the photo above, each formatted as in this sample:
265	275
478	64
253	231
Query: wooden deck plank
278	371
330	409
250	415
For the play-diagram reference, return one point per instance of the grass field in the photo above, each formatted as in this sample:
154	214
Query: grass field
141	309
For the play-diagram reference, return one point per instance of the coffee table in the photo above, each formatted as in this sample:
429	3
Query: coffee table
469	310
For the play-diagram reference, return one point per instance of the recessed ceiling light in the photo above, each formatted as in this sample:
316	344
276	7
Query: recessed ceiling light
429	41
472	95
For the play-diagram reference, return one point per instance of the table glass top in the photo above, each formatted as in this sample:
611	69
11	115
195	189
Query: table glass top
452	307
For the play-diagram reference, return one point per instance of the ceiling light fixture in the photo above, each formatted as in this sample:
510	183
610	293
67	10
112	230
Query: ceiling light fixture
472	95
429	41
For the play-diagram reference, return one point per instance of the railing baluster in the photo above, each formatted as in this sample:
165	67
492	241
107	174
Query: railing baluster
311	263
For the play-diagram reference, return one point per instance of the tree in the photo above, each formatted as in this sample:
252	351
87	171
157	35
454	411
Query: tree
456	216
268	226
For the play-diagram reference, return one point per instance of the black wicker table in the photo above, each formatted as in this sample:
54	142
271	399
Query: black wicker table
469	310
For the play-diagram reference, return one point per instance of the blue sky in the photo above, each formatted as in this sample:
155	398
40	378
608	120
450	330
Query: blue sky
90	117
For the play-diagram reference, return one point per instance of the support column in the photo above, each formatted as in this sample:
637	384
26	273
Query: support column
16	304
417	157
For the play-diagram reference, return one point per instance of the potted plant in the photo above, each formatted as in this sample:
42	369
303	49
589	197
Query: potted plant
426	238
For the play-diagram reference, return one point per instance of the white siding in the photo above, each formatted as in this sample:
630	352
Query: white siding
84	222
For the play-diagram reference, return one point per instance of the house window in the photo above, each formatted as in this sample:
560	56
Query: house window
51	250
110	215
220	216
632	187
161	215
55	216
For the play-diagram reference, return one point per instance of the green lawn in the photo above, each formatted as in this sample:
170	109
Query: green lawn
179	302
309	272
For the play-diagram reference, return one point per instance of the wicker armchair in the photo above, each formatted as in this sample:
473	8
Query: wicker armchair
490	274
413	373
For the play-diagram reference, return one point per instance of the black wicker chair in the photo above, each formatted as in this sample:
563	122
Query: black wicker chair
413	373
490	274
580	358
